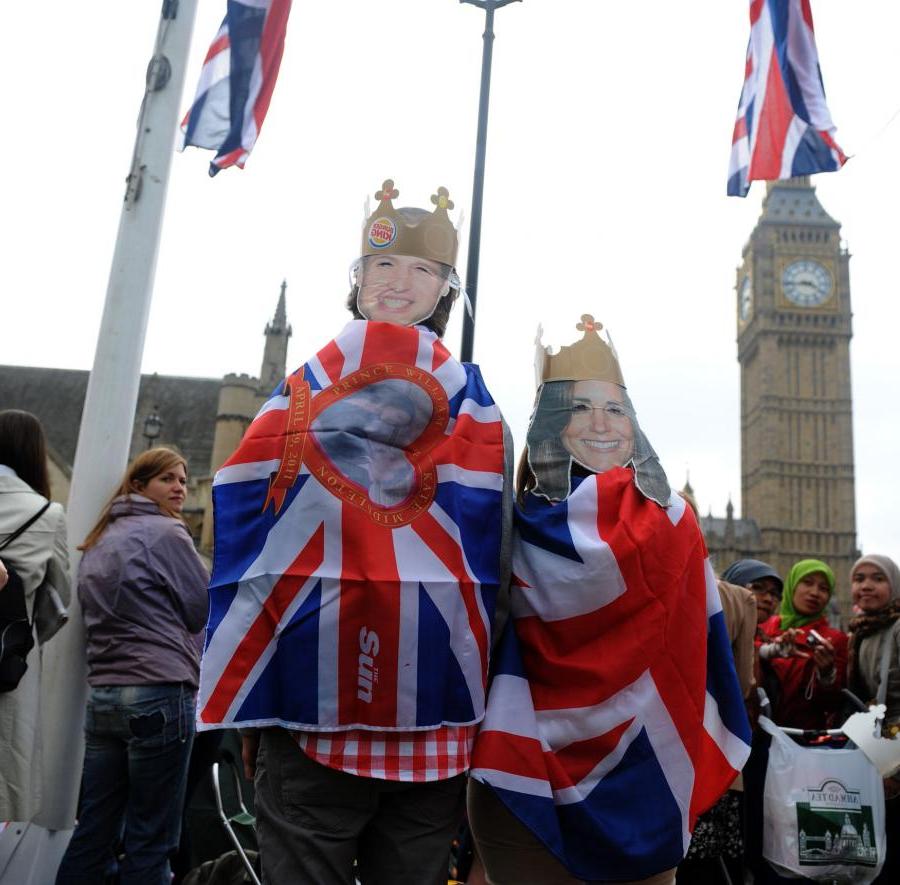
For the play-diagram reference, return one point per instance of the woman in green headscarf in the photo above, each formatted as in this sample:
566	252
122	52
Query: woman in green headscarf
804	660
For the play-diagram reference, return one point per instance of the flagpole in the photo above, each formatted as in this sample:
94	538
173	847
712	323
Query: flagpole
104	439
468	336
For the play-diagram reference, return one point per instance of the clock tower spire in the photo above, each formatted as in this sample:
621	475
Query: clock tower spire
793	335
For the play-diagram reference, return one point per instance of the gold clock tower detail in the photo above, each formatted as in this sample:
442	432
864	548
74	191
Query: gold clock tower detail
793	335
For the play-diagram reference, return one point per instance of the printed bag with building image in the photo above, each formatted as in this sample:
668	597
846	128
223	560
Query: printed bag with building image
823	812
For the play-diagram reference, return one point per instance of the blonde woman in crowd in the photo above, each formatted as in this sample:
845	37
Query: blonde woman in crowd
142	589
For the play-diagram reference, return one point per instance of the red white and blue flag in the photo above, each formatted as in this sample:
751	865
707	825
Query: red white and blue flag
357	540
237	81
615	715
783	126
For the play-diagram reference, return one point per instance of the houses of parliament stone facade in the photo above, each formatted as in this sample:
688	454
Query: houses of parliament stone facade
794	327
792	304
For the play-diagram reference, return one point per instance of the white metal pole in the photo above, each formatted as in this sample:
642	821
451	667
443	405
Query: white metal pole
108	417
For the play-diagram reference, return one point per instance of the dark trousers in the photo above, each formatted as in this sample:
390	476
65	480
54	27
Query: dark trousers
137	744
313	822
204	753
890	872
717	846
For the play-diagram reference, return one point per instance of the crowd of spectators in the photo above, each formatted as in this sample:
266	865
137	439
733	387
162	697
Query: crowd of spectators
802	663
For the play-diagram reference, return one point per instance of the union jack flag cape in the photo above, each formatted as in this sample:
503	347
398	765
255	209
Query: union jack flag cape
783	126
237	81
615	715
357	540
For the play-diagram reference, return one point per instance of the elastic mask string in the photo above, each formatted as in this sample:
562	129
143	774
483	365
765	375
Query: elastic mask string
468	303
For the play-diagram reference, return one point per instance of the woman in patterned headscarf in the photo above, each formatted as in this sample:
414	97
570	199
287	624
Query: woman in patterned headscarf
806	657
875	584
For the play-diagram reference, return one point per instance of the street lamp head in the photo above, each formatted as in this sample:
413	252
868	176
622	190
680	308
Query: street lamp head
490	5
152	426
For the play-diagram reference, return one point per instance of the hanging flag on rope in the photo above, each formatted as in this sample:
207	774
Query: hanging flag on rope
783	126
237	81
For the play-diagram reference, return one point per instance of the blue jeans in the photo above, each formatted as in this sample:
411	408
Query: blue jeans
137	744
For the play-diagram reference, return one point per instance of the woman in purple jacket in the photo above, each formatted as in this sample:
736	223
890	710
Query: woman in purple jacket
142	589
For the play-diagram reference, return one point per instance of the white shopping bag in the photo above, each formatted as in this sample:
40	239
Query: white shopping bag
823	812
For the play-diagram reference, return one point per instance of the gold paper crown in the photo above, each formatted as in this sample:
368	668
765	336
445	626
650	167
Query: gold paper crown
411	231
590	359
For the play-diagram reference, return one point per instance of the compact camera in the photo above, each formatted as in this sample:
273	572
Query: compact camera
814	639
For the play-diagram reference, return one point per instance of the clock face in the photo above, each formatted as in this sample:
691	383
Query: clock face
745	298
806	283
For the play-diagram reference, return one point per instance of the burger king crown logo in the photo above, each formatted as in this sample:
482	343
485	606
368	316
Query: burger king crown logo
408	231
382	232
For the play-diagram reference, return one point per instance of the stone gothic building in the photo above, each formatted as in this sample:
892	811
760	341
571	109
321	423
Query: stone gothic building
793	346
204	418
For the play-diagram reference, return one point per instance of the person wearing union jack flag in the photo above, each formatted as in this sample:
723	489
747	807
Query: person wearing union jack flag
359	563
615	716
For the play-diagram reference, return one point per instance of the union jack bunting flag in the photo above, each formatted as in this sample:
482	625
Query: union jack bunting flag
615	717
237	81
357	544
783	126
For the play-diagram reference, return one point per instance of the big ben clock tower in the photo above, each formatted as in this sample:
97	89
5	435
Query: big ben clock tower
794	330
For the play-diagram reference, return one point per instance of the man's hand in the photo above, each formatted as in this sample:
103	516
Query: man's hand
249	748
4	575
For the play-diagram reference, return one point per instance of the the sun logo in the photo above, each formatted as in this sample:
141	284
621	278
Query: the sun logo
367	674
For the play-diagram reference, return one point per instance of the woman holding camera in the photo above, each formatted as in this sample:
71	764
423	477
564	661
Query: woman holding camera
804	656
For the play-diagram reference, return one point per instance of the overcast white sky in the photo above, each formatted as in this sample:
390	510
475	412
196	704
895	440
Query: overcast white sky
607	153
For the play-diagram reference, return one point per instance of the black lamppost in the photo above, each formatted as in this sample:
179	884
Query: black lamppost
152	427
468	337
